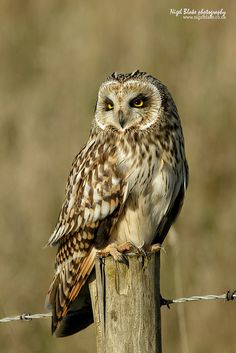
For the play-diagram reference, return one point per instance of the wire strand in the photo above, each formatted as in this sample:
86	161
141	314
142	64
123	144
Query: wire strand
229	296
25	317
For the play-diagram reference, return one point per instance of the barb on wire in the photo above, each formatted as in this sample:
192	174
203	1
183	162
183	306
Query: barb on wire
25	317
230	295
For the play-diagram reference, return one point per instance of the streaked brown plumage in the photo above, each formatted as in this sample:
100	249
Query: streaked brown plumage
126	184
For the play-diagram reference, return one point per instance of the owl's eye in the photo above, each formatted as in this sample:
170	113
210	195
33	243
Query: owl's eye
138	102
109	105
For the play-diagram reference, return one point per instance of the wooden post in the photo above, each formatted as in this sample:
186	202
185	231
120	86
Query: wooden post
126	305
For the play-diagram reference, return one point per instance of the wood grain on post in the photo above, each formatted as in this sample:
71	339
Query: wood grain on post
126	305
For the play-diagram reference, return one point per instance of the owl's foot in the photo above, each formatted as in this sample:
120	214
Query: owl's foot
114	250
143	250
118	251
154	248
129	247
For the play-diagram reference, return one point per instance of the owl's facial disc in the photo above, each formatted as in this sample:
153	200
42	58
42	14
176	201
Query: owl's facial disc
122	106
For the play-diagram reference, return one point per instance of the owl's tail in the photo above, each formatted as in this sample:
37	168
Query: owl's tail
69	298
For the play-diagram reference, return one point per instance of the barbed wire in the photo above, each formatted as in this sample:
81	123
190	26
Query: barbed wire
229	296
25	317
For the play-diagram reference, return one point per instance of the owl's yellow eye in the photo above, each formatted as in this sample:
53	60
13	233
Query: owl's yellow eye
138	103
110	106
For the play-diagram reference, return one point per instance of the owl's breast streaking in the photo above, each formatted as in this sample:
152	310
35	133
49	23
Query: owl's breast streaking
151	183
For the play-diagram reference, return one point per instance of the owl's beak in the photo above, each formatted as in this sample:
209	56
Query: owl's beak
121	118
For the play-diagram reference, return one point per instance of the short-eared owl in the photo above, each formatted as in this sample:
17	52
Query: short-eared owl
126	185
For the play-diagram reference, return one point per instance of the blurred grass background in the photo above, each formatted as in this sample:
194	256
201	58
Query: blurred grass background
53	57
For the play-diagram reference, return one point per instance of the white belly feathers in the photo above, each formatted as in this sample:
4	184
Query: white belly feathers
150	196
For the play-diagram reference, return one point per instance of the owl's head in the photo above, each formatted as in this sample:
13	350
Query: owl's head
126	100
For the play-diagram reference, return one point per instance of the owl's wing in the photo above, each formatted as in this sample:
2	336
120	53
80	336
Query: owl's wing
95	194
179	183
94	190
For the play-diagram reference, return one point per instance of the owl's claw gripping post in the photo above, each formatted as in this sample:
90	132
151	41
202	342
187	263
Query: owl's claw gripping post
154	248
129	247
142	250
126	247
124	260
115	251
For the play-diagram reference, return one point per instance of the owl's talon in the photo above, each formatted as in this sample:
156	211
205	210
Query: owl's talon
123	259
142	251
129	247
126	247
115	252
154	248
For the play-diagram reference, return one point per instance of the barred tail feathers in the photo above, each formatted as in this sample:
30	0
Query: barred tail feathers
67	298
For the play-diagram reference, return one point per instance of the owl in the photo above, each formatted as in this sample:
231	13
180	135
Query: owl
125	188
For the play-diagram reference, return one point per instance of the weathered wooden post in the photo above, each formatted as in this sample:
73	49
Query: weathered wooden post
126	305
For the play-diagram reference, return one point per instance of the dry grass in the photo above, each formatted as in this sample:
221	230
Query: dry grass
53	57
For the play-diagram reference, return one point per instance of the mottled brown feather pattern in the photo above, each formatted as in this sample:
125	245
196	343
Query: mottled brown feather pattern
93	192
126	184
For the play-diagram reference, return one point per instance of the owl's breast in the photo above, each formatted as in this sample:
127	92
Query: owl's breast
151	185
